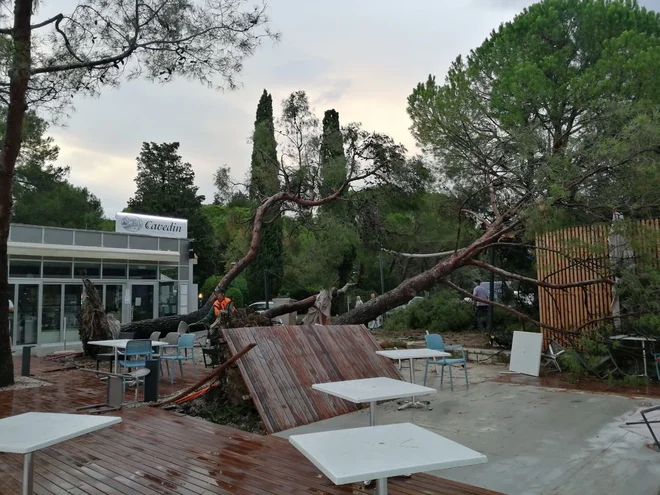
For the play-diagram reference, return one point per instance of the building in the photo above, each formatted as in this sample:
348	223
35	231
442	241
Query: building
140	275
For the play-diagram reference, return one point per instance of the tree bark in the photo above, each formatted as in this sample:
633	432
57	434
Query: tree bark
18	83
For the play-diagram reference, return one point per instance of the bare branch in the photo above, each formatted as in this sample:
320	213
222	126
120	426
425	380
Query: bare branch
498	305
547	285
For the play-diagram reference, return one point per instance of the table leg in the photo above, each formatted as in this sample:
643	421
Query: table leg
381	486
28	473
372	413
646	373
413	402
116	359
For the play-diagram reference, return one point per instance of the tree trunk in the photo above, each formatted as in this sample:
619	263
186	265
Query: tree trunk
18	83
143	329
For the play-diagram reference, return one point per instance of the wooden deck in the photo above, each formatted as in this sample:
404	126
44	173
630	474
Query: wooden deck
280	371
156	451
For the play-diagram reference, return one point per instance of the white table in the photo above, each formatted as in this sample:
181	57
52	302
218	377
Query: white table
411	355
380	452
117	344
372	390
27	433
638	338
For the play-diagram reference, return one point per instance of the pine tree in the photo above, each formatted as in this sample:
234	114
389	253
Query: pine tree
264	181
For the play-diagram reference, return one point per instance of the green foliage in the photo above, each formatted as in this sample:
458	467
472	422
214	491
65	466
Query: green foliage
209	285
264	168
558	108
236	296
264	182
42	195
166	187
443	312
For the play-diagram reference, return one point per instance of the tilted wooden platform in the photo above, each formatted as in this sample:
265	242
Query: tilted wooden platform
280	371
156	451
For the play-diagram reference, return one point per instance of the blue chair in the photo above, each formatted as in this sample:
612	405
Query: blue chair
139	348
185	343
435	342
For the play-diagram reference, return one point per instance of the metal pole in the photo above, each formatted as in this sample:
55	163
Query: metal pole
382	277
65	333
266	287
372	413
381	486
492	290
28	473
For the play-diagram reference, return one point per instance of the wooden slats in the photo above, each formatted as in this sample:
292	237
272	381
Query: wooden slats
155	451
578	254
288	360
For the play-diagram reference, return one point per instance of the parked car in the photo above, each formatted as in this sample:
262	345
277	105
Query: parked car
414	300
260	306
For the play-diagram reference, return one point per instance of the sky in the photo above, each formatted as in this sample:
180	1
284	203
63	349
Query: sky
362	58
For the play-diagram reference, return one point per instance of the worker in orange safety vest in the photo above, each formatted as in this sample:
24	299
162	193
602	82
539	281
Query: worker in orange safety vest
221	303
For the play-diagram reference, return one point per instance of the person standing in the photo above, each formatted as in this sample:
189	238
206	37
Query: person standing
358	302
481	308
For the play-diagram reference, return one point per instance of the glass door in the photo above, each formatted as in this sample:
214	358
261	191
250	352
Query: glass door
27	314
142	301
51	314
72	308
113	301
12	312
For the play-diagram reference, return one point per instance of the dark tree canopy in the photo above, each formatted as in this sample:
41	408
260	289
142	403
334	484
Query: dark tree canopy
166	187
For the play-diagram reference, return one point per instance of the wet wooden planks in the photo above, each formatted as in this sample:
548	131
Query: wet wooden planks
280	371
155	451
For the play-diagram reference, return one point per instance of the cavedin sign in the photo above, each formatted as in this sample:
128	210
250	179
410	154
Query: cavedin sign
130	223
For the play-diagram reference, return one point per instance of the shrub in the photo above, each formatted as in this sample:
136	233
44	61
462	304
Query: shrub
236	296
443	312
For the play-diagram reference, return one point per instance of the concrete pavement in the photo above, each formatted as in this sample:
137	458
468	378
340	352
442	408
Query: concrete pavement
538	440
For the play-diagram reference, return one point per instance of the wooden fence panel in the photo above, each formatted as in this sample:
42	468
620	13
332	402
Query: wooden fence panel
578	254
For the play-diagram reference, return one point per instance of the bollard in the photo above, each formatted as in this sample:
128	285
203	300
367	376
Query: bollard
152	380
25	365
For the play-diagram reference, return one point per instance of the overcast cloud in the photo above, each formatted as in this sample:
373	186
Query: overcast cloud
360	57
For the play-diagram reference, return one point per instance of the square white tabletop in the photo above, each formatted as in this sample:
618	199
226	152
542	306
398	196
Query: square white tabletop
374	452
372	389
413	354
32	431
121	343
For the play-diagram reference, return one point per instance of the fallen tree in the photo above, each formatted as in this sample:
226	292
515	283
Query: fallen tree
370	156
526	145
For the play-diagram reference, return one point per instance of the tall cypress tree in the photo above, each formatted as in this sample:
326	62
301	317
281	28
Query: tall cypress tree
264	182
333	173
333	159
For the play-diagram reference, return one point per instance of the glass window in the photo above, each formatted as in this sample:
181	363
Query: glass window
27	312
113	295
114	270
86	269
167	293
72	307
168	273
51	314
56	269
25	269
142	271
142	302
12	309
